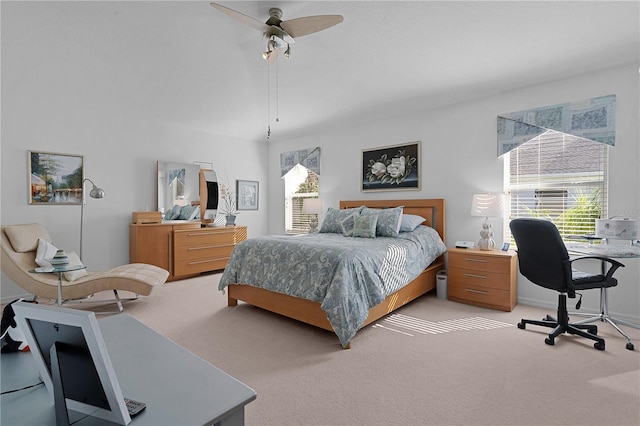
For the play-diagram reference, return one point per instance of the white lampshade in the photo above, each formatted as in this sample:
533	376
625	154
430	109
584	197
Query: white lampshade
312	206
487	205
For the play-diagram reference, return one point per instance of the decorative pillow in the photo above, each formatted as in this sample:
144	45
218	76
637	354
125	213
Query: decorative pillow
45	253
389	220
410	222
365	226
24	238
348	224
175	212
333	218
71	276
186	212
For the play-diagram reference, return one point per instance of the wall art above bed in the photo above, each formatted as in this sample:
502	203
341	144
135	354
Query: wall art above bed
389	168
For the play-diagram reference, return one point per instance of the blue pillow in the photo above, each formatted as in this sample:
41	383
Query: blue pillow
365	226
333	218
410	222
389	220
186	212
348	224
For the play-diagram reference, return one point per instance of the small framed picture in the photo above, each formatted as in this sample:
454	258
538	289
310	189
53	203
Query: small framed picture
505	247
247	191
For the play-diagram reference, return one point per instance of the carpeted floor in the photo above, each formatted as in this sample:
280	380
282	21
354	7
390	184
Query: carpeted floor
433	362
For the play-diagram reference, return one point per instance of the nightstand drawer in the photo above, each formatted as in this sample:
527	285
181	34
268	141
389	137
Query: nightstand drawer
479	262
480	278
483	296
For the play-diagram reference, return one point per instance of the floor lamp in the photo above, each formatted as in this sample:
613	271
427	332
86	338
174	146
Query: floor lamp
94	193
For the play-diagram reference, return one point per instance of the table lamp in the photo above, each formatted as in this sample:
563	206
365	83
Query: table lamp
312	206
94	193
487	205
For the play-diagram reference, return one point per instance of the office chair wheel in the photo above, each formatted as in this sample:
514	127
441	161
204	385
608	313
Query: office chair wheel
521	325
630	346
599	346
549	341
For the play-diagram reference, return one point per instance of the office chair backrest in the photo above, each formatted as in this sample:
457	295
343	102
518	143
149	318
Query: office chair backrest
542	255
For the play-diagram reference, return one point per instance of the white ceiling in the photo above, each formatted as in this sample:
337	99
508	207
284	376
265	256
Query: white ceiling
206	71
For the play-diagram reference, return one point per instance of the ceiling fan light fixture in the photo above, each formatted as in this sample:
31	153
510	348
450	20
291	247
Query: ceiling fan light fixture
287	53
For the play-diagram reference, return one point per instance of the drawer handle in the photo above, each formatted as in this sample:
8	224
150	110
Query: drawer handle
476	291
198	234
207	261
209	247
476	260
476	276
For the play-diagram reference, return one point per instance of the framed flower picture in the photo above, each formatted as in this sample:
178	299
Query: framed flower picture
55	178
391	168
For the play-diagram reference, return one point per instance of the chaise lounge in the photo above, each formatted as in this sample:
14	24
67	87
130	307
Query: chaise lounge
19	246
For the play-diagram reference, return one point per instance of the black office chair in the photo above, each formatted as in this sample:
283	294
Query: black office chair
543	259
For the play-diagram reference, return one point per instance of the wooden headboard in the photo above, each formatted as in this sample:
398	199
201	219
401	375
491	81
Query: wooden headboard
432	209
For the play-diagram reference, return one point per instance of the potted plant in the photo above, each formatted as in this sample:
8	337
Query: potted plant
228	205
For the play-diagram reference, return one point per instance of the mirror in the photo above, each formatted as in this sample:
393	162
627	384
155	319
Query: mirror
209	195
178	185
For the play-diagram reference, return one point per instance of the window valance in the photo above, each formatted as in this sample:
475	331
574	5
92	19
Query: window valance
309	158
593	119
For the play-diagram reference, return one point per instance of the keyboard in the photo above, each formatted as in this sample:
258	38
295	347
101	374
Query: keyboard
134	407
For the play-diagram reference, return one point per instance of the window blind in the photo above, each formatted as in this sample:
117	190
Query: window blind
559	177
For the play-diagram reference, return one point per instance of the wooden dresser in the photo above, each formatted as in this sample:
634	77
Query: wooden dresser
183	249
204	249
483	278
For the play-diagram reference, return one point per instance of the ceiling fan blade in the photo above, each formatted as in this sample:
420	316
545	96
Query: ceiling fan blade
247	20
299	27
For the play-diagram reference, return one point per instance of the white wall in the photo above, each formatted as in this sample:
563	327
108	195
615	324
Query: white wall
59	95
459	159
64	94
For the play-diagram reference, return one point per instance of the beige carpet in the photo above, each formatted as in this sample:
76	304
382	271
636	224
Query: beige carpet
434	362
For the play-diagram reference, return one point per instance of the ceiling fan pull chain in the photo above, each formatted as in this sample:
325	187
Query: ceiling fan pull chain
277	93
268	102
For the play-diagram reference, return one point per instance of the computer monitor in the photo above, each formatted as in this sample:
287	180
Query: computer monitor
83	378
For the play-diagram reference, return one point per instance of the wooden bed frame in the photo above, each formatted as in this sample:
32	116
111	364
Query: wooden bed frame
311	313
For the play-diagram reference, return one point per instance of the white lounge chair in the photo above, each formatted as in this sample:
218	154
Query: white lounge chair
19	245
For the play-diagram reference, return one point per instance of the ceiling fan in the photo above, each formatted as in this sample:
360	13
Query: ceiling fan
281	34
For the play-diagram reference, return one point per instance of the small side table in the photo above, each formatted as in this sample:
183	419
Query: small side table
59	270
486	278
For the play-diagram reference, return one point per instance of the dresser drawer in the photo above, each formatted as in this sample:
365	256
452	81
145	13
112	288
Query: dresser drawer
204	237
479	262
483	296
196	266
203	252
479	278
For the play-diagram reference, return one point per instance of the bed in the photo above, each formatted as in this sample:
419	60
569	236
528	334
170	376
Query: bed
348	299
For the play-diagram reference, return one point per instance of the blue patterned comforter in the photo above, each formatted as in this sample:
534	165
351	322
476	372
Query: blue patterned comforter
347	276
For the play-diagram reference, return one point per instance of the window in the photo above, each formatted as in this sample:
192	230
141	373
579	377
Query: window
559	177
299	183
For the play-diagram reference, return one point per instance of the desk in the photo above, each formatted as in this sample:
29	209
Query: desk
613	251
178	387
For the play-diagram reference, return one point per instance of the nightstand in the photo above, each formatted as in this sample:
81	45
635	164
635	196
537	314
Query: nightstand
483	278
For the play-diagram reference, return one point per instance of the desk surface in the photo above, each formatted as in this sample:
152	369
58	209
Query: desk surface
178	387
608	250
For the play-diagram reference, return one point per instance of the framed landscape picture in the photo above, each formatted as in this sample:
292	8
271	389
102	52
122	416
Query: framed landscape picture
55	178
247	191
391	168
